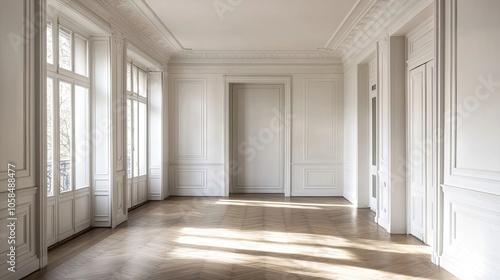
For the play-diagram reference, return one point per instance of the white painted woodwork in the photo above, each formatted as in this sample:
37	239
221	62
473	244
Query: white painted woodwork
392	134
155	147
373	140
417	134
21	83
257	138
102	156
229	166
350	135
471	176
317	139
196	146
119	130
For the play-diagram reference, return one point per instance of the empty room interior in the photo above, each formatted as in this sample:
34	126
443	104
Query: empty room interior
249	139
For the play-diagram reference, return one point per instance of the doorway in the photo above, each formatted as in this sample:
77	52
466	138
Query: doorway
419	173
372	66
257	138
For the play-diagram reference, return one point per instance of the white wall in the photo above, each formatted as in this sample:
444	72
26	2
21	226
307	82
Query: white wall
471	179
197	106
351	135
21	84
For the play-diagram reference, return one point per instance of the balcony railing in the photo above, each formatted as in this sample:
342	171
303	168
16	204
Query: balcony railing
64	173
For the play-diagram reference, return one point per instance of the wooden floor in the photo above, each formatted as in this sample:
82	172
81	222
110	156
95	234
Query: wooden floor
243	237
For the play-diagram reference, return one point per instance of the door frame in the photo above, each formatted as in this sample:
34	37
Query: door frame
286	81
234	119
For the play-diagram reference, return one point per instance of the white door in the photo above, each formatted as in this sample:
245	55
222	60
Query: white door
257	138
416	154
373	135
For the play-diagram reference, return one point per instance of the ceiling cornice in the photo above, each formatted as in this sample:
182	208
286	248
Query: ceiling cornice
373	23
368	25
124	15
257	54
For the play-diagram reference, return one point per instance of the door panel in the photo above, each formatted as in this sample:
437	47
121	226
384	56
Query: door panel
416	154
257	138
373	135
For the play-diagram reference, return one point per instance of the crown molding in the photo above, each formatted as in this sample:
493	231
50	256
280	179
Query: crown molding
124	16
190	54
374	24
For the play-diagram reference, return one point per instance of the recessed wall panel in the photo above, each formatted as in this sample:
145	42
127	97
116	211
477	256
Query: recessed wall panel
190	116
320	138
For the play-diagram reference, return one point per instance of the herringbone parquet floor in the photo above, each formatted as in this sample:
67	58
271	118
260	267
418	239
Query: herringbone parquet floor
243	237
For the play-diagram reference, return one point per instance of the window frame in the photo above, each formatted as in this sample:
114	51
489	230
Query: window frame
58	74
135	97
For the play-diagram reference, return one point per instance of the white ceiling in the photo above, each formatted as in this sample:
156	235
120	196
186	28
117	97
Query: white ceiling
252	25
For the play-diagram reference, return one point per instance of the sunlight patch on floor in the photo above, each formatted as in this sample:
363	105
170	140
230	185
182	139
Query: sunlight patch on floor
296	205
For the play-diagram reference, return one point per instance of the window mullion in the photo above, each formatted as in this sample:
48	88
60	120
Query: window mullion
73	140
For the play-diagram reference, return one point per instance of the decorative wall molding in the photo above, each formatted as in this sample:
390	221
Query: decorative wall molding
330	155
121	16
374	24
323	53
185	121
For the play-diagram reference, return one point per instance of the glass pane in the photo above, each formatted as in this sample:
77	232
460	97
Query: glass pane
82	141
129	77
129	138
143	84
374	131
50	54
65	127
374	186
134	79
65	49
135	125
50	136
81	54
143	137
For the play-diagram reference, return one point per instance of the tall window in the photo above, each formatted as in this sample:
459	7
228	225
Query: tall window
68	116
136	121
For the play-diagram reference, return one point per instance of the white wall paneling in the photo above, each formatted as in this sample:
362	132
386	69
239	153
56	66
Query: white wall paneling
101	114
21	86
196	179
119	213
422	142
470	197
470	228
363	134
196	118
27	259
318	117
373	133
350	135
257	80
190	119
257	142
155	121
392	130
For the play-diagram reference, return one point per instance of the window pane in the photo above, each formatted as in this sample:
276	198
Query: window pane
65	49
50	136
374	131
129	77
80	55
134	79
50	54
135	125
143	137
65	127
142	84
82	148
374	186
129	138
